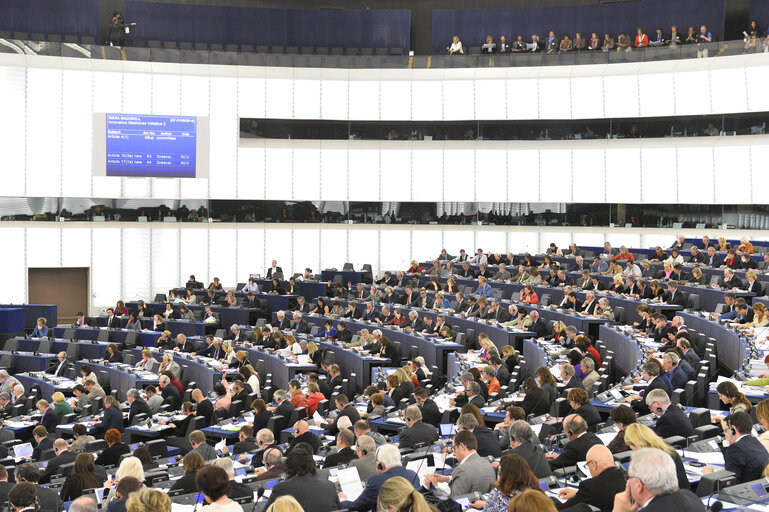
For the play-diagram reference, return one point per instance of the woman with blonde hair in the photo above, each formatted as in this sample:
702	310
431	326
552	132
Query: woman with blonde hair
760	318
229	353
148	500
697	277
723	245
441	302
559	331
60	406
285	504
414	268
410	375
314	353
639	436
398	495
532	500
762	413
131	466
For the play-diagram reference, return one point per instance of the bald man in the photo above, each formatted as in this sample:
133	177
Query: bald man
60	366
580	441
599	490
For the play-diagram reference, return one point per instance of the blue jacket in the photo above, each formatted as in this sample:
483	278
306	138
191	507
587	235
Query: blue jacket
113	418
484	291
746	459
678	378
39	333
367	500
49	420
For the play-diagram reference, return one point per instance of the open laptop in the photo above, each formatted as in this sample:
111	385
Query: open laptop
448	429
22	450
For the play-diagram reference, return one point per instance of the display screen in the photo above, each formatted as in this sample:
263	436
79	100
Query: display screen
759	489
151	146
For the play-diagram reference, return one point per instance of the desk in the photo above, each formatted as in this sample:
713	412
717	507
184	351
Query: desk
47	387
353	362
348	276
28	362
434	353
11	320
120	380
534	355
34	311
627	353
116	336
731	350
205	376
282	371
87	350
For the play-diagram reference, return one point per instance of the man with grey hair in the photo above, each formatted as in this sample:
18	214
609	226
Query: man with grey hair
488	443
300	326
651	374
6	381
502	274
675	373
365	449
672	420
58	369
652	485
83	504
272	461
591	376
522	442
237	489
283	323
6	406
138	405
418	432
414	323
285	407
18	396
570	380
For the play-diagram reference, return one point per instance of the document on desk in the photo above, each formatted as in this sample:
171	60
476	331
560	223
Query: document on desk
704	457
221	445
318	418
606	438
349	482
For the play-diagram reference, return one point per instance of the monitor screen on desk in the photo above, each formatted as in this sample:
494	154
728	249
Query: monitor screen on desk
448	429
759	489
23	450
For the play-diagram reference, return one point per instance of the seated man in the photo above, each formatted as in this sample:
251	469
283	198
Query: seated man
745	456
672	420
605	483
472	474
580	441
418	432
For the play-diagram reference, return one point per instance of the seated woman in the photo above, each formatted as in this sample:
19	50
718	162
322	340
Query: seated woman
697	277
110	456
451	286
746	262
277	288
61	407
320	307
262	415
414	268
534	277
659	254
623	416
329	331
433	285
441	302
398	320
193	461
133	323
731	260
232	301
529	296
456	47
618	285
675	257
745	246
314	353
41	330
656	289
83	477
580	404
157	324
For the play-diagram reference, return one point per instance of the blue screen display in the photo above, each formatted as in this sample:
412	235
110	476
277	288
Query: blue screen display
151	146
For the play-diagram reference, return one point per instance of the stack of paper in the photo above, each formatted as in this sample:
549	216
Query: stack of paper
349	482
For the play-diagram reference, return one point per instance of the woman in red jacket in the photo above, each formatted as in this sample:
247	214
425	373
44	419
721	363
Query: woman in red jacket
529	296
313	397
398	320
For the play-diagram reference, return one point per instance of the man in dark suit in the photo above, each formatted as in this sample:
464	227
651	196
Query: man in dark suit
63	456
285	406
49	419
595	284
273	270
345	454
40	435
697	257
588	307
538	325
388	465
5	485
113	417
371	314
653	485
342	333
599	490
580	441
345	408
674	295
415	324
302	434
205	407
498	313
424	301
745	456
169	393
409	297
429	409
753	286
651	374
125	487
729	280
61	365
336	376
138	405
417	432
237	489
387	279
713	260
488	442
672	420
503	373
238	335
113	322
47	499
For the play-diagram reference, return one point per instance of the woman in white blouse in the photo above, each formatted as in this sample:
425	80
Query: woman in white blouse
250	377
675	257
456	47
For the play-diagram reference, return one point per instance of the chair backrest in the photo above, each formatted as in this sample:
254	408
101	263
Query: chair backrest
103	335
619	315
693	302
69	334
236	407
94	446
714	279
139	418
44	347
297	414
160	297
348	266
413	352
157	448
131	339
276	424
545	299
11	345
197	423
129	358
73	352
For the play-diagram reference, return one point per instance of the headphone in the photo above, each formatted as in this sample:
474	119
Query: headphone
379	465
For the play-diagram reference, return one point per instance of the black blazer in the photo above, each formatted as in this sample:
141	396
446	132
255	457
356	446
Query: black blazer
73	487
110	456
536	402
419	432
589	413
139	406
322	498
186	483
746	458
114	322
682	499
575	450
43	445
539	328
534	455
674	422
640	405
755	288
678	298
430	413
598	491
53	465
343	456
278	270
49	420
488	442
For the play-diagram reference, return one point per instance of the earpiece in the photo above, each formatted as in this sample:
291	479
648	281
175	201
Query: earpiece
733	431
380	466
659	410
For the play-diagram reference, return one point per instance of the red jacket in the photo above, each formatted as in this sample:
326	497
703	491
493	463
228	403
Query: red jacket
641	40
312	402
596	355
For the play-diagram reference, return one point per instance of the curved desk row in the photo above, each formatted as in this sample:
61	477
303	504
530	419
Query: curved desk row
627	353
354	362
86	350
116	336
120	380
731	349
227	316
